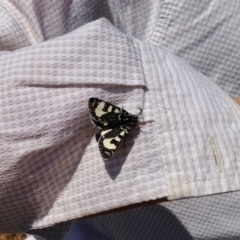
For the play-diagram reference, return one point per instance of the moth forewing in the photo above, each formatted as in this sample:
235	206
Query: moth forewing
103	115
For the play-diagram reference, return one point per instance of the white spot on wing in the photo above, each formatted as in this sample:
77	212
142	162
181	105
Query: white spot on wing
106	131
107	144
99	110
123	133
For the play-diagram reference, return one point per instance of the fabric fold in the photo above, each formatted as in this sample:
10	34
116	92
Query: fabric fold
48	150
199	127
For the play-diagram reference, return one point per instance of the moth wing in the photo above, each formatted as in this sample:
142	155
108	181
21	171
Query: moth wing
103	114
109	140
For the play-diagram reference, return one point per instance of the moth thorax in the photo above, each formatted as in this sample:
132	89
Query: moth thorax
130	119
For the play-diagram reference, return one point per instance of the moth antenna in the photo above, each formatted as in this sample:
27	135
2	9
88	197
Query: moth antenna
140	111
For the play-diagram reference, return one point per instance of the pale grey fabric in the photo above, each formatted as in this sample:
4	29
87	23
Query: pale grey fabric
206	34
51	170
211	217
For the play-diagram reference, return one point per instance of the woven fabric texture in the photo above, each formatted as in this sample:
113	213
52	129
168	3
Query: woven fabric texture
178	61
210	217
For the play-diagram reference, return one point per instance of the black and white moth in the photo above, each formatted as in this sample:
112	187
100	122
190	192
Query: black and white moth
114	123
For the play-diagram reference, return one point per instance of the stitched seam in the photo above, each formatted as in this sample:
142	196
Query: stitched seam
21	20
147	73
140	49
164	13
215	154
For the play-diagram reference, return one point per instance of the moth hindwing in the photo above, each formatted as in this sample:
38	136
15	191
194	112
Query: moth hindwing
114	123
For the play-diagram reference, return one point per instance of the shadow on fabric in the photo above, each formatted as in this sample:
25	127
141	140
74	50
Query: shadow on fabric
153	223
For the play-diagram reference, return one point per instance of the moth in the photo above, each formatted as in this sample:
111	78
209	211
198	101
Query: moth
114	124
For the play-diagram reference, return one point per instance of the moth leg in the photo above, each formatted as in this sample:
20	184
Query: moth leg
124	141
125	138
139	128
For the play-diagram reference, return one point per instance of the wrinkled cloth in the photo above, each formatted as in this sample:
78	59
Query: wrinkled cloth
178	61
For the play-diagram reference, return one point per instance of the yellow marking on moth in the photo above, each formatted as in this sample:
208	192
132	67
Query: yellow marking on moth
116	111
99	110
122	133
107	142
106	131
110	108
